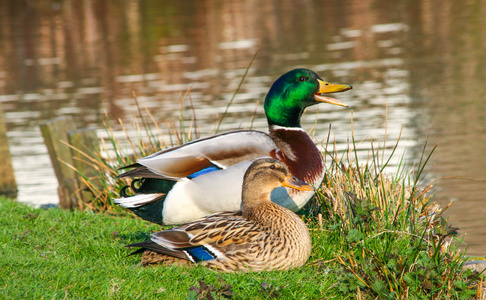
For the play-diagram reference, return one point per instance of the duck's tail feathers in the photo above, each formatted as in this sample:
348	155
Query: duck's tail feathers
146	206
193	254
139	171
154	247
154	254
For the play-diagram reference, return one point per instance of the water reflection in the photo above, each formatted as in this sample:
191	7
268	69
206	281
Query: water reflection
416	68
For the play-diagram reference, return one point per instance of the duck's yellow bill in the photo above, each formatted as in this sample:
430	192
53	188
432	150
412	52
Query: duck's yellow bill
293	182
327	87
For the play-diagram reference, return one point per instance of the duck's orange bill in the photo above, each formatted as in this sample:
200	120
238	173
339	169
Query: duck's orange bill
293	182
327	87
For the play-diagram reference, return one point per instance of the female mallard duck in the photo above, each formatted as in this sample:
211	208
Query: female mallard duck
262	236
204	176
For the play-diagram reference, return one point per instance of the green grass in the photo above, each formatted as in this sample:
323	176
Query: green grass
58	254
374	237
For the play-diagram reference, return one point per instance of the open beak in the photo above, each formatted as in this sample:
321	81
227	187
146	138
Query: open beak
293	182
327	87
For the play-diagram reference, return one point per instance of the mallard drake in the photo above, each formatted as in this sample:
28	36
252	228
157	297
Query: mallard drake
196	179
262	236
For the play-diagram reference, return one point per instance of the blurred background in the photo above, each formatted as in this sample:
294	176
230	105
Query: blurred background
417	67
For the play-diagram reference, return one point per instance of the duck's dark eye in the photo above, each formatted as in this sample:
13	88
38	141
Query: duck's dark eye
302	78
272	167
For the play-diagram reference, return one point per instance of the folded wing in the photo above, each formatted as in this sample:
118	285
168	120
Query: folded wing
222	150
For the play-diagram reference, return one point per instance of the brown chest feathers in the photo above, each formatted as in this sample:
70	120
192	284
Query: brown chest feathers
298	152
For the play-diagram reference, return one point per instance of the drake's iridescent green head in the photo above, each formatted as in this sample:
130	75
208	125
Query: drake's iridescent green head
293	92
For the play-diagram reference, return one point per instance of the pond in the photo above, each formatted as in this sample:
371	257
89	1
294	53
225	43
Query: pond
417	70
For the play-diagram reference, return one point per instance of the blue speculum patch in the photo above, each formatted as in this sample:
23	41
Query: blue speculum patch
203	171
200	254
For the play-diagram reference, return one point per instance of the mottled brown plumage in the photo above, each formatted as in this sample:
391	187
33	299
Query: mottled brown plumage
261	236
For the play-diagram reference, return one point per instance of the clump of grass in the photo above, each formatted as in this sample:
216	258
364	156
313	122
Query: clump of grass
391	240
122	148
